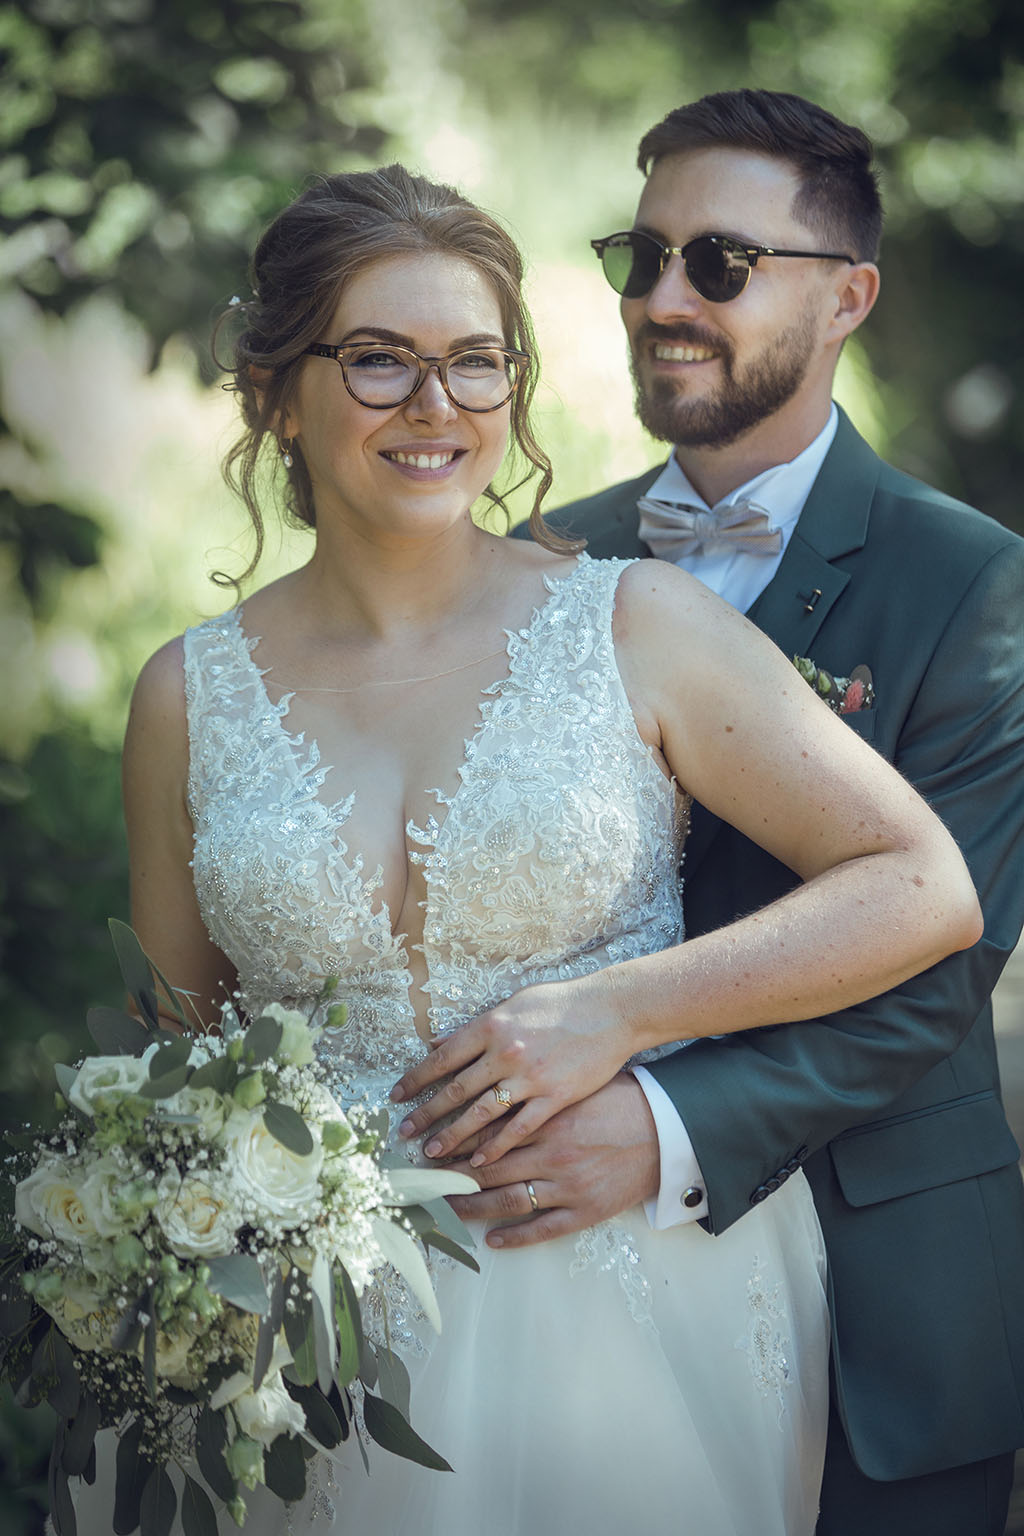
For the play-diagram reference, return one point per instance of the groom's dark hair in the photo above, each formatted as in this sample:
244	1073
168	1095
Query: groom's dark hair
838	196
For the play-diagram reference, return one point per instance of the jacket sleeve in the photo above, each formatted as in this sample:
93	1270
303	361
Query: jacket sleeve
761	1101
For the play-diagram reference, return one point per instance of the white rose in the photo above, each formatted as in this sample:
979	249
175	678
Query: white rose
280	1181
197	1218
297	1035
99	1076
205	1104
49	1202
268	1412
101	1197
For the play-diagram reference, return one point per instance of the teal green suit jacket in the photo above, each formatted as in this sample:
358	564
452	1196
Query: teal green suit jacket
893	1107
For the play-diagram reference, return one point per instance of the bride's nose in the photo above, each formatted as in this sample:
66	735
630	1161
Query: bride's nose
431	402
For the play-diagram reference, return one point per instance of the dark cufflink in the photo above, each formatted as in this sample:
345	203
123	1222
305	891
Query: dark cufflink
692	1197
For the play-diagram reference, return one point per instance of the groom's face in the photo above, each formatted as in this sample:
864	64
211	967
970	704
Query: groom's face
707	373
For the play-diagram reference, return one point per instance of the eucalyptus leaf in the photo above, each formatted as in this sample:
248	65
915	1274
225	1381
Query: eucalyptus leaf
81	1436
415	1186
376	1123
451	1225
170	1057
400	1250
270	1327
117	1033
325	1343
298	1329
136	970
198	1517
349	1324
262	1039
395	1387
321	1420
132	1475
238	1278
284	1468
438	1240
219	1073
391	1430
163	1087
65	1077
159	1504
62	1510
287	1126
211	1438
171	995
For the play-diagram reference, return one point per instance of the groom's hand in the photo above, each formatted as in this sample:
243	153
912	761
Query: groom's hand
586	1164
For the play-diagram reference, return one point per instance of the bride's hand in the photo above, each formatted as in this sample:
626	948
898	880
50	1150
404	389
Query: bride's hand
541	1050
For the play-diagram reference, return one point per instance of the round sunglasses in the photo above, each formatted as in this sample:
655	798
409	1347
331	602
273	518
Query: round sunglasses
717	266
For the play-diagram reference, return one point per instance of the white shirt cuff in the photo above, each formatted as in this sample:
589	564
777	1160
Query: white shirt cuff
681	1179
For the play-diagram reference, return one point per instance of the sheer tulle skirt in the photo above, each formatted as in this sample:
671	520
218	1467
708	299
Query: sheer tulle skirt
675	1381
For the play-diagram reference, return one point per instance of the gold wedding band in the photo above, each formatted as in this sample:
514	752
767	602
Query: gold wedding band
503	1097
532	1194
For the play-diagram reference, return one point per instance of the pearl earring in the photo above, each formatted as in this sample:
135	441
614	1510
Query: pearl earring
286	454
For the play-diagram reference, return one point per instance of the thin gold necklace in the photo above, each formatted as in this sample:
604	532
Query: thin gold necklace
394	682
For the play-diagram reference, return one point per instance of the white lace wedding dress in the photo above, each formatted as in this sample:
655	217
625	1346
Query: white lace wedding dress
626	1378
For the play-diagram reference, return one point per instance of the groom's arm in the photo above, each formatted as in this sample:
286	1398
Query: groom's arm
754	1103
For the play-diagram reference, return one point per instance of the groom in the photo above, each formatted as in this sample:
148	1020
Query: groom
892	1108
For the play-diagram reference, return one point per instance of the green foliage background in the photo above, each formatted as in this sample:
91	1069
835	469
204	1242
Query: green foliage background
142	145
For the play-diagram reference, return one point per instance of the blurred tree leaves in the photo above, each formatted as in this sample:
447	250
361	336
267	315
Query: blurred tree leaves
144	142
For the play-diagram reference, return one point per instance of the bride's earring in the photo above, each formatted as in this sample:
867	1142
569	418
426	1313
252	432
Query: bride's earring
286	452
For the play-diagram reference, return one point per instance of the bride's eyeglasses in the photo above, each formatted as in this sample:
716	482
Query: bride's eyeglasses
382	376
717	266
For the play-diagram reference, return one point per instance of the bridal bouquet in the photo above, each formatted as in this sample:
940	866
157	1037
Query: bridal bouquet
186	1257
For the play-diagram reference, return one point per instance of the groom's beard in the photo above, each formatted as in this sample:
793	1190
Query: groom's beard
748	394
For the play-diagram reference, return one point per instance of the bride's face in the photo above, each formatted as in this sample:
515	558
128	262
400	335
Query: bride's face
410	471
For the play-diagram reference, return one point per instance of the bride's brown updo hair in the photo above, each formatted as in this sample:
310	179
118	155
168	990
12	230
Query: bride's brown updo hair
338	226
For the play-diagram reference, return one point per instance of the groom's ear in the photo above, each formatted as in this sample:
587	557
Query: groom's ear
855	295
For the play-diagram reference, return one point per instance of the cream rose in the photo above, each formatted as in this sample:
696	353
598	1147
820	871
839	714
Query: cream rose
266	1172
268	1412
198	1220
79	1315
50	1203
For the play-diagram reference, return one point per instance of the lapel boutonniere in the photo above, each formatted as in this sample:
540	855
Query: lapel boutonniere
843	695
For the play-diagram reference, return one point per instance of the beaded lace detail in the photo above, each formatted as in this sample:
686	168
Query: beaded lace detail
557	854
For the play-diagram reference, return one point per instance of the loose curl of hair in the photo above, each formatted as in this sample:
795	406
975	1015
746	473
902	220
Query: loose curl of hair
338	226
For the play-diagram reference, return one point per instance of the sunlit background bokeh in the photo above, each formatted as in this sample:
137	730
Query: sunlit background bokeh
144	143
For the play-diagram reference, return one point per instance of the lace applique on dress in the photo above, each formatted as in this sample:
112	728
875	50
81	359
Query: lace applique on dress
610	1247
557	854
766	1344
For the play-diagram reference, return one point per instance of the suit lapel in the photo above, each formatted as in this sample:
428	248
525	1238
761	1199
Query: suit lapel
798	599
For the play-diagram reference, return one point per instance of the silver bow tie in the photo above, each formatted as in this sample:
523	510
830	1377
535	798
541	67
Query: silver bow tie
673	529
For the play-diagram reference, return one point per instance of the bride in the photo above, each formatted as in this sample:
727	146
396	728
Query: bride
452	771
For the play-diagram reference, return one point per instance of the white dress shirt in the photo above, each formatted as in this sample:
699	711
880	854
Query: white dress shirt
739	577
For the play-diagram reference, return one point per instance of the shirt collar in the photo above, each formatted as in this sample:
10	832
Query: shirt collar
780	490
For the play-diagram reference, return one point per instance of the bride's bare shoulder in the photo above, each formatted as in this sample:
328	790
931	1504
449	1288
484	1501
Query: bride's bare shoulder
655	597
